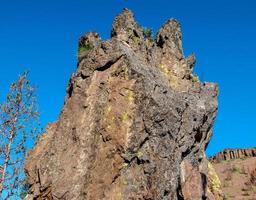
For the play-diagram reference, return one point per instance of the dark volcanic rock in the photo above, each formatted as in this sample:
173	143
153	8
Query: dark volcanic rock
134	125
229	154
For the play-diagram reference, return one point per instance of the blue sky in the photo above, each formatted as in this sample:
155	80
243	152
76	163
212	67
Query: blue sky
42	36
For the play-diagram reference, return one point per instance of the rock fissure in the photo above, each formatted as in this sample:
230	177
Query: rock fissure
108	64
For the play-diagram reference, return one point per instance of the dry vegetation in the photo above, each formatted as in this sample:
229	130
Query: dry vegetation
238	178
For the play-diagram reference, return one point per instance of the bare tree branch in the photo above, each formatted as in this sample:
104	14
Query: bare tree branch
17	118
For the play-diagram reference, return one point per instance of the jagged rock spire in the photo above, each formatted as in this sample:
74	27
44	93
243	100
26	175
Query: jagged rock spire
164	51
125	27
169	38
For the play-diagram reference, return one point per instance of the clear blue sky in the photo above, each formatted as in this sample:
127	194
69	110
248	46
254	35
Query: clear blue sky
42	35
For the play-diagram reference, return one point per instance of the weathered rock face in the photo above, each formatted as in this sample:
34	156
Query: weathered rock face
229	154
135	122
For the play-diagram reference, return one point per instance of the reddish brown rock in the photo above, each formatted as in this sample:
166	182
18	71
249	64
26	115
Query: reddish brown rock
135	123
192	182
238	178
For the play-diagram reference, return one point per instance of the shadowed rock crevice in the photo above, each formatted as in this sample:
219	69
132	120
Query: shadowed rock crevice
134	125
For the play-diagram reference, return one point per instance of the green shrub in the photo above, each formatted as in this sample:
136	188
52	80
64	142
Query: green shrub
236	169
85	48
147	32
194	78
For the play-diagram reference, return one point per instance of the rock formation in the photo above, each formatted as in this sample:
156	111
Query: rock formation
229	154
135	123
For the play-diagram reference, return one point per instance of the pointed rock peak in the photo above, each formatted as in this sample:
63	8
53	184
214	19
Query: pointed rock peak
169	38
127	13
125	27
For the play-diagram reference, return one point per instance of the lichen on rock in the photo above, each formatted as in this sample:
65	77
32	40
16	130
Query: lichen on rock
134	124
214	184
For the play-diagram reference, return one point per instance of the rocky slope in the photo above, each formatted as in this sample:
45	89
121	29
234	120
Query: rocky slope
237	176
135	123
229	154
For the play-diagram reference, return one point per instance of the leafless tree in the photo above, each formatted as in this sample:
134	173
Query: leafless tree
18	122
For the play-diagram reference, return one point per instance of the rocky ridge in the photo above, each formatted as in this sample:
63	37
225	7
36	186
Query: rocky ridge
135	123
229	154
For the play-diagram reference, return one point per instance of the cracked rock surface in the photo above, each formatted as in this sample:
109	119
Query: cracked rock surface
135	124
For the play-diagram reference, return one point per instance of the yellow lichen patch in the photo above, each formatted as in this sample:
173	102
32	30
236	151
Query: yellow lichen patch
139	154
111	121
109	108
130	95
126	73
214	184
136	40
120	107
125	165
173	80
125	116
116	121
164	69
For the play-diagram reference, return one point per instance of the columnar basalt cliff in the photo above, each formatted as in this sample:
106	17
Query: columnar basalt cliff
135	123
229	154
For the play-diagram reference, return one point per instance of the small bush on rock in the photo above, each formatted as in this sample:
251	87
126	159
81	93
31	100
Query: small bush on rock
147	32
